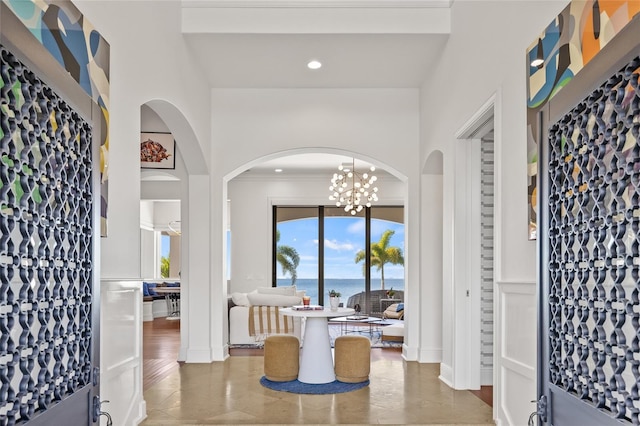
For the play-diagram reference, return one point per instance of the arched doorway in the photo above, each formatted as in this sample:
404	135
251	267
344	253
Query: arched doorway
252	191
165	199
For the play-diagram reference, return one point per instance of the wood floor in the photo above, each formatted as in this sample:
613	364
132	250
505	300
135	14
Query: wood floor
161	342
160	345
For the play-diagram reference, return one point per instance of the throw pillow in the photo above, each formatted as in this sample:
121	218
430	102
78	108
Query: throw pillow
400	307
260	299
145	289
152	289
285	291
240	299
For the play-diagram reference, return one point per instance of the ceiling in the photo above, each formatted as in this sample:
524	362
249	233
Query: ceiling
361	43
265	44
348	60
310	164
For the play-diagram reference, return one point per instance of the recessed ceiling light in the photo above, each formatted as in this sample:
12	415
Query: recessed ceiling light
314	65
278	170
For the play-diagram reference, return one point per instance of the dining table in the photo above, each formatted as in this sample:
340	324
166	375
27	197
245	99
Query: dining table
172	296
316	358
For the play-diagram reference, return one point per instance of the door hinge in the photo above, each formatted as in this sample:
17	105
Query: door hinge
96	376
541	411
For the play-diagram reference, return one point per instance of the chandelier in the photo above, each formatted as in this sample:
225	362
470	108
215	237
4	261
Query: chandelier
352	189
174	226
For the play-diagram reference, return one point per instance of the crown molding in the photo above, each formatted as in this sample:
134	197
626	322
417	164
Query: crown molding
318	3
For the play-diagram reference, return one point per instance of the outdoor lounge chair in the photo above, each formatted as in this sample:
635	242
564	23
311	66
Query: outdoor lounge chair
394	311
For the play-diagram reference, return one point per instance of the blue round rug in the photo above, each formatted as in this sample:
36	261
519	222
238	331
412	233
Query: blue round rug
295	386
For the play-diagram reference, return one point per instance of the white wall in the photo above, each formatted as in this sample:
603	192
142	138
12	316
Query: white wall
148	253
431	277
148	61
379	125
155	217
249	124
165	212
146	213
485	55
251	200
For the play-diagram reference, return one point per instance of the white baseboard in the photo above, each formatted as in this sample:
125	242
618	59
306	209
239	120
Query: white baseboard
409	353
182	353
446	375
430	356
203	355
221	353
142	412
147	311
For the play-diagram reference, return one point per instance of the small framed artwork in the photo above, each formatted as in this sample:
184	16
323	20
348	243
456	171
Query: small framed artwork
157	151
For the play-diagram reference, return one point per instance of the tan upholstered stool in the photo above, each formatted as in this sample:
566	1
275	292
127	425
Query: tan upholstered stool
281	357
352	358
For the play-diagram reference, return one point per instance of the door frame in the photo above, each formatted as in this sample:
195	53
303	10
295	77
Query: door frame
466	285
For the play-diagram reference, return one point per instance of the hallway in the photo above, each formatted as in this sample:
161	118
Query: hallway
229	393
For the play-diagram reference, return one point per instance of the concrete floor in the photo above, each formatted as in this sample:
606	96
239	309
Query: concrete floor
230	393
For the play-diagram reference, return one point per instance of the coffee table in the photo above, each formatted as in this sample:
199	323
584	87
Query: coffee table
358	320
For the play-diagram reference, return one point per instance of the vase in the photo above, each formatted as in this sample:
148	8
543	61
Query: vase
334	302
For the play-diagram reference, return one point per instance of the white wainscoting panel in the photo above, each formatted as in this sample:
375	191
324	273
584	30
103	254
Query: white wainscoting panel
121	351
515	352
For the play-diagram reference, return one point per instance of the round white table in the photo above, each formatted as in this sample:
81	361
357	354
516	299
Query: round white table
316	360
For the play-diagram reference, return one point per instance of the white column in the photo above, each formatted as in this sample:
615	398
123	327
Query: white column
413	310
196	281
431	269
218	236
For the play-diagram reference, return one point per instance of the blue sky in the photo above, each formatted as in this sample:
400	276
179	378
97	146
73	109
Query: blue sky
344	237
164	246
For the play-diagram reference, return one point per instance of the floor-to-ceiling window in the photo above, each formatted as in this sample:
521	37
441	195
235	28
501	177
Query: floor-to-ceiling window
342	260
344	235
296	256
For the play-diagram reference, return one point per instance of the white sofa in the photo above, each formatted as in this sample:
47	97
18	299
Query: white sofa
264	296
393	332
239	327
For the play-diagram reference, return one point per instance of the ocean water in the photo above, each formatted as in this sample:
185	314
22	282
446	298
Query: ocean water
346	287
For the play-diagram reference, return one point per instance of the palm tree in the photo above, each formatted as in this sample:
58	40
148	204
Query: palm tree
288	258
381	254
164	267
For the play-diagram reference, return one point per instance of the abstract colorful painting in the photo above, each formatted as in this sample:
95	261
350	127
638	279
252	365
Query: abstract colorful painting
568	43
82	52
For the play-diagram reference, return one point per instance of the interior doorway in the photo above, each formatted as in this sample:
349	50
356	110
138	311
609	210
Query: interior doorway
161	251
474	282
